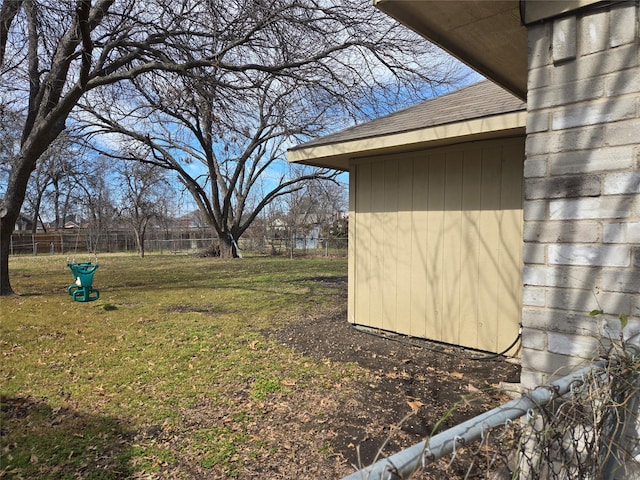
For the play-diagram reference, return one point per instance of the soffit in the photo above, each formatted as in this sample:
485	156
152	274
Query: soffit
487	35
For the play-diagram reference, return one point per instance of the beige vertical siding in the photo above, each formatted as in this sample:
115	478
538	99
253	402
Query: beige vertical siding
436	242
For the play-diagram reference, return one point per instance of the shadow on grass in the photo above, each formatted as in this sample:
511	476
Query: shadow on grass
38	441
340	280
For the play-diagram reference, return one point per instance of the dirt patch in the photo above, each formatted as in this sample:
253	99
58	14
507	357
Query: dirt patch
439	385
207	309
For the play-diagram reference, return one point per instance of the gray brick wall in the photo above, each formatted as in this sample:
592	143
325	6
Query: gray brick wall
582	188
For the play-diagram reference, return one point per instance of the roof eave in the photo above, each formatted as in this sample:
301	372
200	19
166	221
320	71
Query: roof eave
338	155
490	36
486	35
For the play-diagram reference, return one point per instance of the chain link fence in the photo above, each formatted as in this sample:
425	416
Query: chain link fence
583	426
70	243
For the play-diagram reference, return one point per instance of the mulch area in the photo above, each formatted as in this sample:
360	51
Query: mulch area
430	385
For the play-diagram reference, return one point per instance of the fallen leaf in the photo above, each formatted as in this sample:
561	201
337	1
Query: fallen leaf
472	389
415	404
457	375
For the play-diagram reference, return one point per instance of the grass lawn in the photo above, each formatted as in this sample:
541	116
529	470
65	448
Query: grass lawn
167	375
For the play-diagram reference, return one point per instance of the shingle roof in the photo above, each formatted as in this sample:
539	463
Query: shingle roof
483	99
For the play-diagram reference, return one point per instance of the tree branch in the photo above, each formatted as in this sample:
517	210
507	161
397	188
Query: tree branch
8	12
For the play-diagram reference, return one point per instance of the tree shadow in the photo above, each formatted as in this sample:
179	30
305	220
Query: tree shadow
41	441
581	243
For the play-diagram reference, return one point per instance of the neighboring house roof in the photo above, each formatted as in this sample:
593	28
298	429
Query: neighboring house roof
74	221
23	223
481	110
192	219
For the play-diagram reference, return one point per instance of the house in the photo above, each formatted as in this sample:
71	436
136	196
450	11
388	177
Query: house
435	240
576	63
69	222
74	221
24	224
305	230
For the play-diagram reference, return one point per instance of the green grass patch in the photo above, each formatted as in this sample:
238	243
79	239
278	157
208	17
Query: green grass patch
108	389
264	386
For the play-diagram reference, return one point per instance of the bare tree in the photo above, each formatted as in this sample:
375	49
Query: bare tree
225	130
52	52
145	193
52	182
222	163
40	182
94	201
315	206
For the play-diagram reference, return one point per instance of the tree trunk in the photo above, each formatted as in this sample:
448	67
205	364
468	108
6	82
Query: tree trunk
56	203
32	147
6	229
9	213
227	247
139	242
36	213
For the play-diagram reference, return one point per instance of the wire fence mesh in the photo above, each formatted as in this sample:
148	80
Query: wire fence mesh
584	428
70	242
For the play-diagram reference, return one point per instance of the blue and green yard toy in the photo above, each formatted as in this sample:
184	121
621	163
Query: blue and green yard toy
81	290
